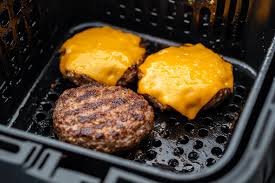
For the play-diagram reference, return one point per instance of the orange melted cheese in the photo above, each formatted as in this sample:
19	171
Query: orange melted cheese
185	78
102	53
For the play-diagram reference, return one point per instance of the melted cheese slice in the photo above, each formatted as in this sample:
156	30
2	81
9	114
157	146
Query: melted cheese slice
102	53
185	78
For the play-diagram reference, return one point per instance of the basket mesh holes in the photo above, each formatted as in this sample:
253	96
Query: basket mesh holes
216	151
233	108
225	129
122	17
163	132
169	140
183	140
244	10
218	24
8	39
229	117
146	144
153	18
204	21
188	15
220	9
173	162
16	6
47	106
210	162
221	139
171	8
170	19
241	90
40	116
109	13
203	132
13	57
151	154
21	27
156	143
138	10
189	127
207	121
193	155
33	22
232	9
178	151
237	99
122	11
4	18
198	144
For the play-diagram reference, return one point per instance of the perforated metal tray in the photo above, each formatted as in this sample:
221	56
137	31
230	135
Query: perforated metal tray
176	143
30	31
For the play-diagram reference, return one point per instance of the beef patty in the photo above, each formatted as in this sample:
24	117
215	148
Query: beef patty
104	118
128	77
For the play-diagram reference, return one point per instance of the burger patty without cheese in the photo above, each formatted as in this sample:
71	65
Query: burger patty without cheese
104	118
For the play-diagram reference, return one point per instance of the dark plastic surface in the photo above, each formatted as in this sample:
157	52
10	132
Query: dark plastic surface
31	30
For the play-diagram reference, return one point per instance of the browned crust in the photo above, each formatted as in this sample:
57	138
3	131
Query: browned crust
218	98
81	79
128	77
104	118
214	102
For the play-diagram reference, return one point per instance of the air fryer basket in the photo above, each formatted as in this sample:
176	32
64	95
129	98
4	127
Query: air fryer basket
32	31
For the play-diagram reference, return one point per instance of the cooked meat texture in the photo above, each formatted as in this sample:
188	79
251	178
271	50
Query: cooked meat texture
104	118
128	77
214	102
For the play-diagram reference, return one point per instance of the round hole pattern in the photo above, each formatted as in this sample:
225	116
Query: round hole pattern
178	151
189	127
216	151
210	162
164	133
203	132
221	139
47	106
156	143
233	108
40	116
237	99
207	121
241	89
198	144
229	117
183	140
146	143
175	141
225	129
173	162
193	155
150	155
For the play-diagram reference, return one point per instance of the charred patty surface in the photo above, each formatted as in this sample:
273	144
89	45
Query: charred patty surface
104	118
128	77
214	102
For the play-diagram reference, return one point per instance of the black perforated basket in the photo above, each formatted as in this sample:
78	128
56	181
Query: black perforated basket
205	149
